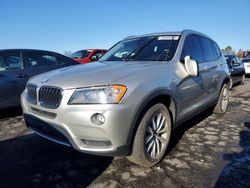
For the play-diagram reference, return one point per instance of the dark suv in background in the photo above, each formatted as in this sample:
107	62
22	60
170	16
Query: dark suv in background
237	70
18	65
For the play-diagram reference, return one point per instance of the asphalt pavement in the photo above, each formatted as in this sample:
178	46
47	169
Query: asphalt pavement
207	151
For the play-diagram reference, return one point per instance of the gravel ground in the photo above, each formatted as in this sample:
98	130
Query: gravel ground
207	151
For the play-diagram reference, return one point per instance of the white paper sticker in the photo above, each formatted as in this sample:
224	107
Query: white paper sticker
175	37
165	37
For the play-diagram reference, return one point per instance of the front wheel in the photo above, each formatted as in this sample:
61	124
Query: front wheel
152	136
243	79
223	101
230	85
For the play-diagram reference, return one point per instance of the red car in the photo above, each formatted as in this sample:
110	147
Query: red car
88	55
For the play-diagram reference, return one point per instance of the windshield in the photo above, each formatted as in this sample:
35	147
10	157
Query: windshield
156	48
81	54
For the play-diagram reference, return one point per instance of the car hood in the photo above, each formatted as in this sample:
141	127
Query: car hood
92	74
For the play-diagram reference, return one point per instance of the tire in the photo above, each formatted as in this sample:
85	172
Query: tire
222	104
243	79
230	84
152	136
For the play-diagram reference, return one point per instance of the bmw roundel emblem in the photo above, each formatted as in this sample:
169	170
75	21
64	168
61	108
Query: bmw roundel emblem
45	80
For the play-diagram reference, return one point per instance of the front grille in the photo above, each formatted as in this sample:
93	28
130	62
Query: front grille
50	97
32	97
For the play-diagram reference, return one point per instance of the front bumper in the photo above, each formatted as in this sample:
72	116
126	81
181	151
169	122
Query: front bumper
71	125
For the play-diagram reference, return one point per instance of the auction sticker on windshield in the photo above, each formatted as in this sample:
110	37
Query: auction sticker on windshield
165	37
168	37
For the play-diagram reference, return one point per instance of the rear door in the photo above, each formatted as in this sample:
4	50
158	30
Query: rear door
12	78
209	69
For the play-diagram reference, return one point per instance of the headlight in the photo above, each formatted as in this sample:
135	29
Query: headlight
98	95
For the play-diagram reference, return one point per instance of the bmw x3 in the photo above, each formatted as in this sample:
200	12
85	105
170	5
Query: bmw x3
129	102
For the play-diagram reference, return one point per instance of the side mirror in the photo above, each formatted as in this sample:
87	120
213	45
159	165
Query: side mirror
93	58
191	66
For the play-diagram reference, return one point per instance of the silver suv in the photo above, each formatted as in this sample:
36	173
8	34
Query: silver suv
129	102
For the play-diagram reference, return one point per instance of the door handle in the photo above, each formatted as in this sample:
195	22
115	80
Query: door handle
205	69
21	75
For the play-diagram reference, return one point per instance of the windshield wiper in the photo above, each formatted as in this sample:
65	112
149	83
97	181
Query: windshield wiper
136	51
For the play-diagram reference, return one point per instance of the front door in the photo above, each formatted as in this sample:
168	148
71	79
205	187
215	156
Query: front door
37	62
191	90
12	78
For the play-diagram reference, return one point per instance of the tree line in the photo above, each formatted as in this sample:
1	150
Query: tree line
240	53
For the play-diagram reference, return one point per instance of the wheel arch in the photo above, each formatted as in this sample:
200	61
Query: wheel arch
159	96
226	80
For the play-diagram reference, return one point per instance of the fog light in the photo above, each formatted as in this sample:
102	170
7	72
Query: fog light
97	142
98	119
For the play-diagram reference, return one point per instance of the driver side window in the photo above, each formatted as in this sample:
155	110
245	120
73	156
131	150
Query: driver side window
97	54
233	62
192	47
40	59
10	61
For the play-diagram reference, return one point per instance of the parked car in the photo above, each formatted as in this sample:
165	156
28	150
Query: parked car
246	54
87	56
246	62
129	102
18	65
237	70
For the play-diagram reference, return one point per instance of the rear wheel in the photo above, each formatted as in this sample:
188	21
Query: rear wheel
222	104
152	136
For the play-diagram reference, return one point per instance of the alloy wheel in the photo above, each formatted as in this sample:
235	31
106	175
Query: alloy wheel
156	137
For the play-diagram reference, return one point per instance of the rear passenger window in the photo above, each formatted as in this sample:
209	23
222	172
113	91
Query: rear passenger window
192	48
40	59
207	49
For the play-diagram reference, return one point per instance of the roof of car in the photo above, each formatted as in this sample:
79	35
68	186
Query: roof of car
92	49
4	50
187	31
